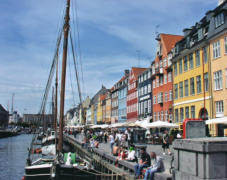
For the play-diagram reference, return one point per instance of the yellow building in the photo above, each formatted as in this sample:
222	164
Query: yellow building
191	93
99	111
191	77
92	114
218	49
200	70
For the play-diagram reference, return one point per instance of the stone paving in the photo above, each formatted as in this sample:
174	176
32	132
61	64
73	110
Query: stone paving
105	147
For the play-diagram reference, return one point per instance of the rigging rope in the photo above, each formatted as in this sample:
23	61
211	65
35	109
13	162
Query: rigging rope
79	43
70	77
75	67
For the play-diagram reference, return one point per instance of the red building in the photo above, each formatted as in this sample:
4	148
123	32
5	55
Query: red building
132	96
162	78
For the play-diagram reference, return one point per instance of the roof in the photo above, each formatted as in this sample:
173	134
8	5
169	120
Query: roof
102	97
169	40
2	109
136	71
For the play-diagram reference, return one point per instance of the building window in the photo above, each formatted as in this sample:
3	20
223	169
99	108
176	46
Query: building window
186	112
149	74
161	115
166	96
186	87
154	100
219	20
198	84
192	111
218	80
175	69
192	86
160	64
145	107
176	91
226	78
165	78
153	83
225	41
161	80
149	88
164	62
166	115
181	89
145	90
216	49
149	106
169	76
154	116
185	63
170	95
197	54
157	82
181	114
219	108
142	108
158	116
206	82
176	116
205	54
180	66
191	61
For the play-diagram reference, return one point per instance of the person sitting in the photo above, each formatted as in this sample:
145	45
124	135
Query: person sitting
144	162
157	166
131	155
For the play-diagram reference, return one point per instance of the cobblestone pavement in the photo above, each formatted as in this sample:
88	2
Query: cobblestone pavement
150	148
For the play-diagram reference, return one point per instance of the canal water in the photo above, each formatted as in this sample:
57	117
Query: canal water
13	154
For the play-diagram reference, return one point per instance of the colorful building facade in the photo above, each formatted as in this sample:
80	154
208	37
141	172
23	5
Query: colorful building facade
132	97
145	95
162	78
218	55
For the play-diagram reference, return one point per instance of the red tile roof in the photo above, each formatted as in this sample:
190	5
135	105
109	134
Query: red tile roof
102	97
136	71
170	40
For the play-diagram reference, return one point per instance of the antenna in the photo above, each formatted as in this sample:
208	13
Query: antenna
138	57
157	30
12	102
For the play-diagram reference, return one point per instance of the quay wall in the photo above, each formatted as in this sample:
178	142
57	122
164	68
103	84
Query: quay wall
200	159
4	134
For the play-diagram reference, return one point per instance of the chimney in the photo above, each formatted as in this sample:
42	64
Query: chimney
126	72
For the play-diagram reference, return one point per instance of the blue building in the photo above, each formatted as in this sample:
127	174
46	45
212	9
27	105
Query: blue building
122	97
145	95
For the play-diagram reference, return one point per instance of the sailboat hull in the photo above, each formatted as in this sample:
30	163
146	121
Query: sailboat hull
71	173
38	172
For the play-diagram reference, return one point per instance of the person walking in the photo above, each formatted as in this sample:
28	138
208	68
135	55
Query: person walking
111	139
165	143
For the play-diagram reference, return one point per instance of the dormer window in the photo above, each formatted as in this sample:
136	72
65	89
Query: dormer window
159	49
219	20
200	34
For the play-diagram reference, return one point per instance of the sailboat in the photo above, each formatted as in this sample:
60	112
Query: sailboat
59	165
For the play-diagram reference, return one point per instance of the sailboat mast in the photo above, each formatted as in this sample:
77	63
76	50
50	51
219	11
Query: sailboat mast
63	76
56	97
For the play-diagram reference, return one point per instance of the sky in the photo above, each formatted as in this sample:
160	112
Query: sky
114	35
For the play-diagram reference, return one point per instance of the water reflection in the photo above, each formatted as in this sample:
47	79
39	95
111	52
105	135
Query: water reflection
13	154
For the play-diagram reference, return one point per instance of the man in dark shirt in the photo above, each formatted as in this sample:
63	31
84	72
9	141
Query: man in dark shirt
145	161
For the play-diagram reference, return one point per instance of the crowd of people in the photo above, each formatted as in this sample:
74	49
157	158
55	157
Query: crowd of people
122	146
